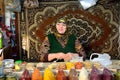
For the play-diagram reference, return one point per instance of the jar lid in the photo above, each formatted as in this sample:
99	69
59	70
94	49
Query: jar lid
18	62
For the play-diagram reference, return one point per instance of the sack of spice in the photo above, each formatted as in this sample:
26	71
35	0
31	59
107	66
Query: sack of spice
36	75
48	74
95	74
83	75
25	75
73	75
107	74
61	75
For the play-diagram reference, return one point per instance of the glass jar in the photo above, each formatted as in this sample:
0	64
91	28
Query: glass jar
2	77
1	68
11	77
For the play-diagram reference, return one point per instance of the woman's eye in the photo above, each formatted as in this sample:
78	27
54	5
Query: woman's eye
64	25
58	24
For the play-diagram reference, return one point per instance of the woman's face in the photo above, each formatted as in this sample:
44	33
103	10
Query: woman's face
61	27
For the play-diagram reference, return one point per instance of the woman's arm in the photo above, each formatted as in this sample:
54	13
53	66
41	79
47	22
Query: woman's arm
45	55
44	48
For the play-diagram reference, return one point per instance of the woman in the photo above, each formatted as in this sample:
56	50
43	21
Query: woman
60	44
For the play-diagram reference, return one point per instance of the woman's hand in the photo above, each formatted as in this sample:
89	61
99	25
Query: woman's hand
69	56
51	57
59	55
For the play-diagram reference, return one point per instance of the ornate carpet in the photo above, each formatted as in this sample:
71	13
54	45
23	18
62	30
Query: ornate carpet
97	27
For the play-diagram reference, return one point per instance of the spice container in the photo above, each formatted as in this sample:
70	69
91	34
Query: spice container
8	63
18	64
2	77
11	77
1	68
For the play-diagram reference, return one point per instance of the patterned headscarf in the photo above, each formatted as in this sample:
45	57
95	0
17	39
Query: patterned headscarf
62	38
60	20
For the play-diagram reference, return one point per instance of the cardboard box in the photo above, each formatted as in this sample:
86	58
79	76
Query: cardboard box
1	0
2	8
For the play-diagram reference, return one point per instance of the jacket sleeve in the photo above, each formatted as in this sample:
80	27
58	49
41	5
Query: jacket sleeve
44	50
79	49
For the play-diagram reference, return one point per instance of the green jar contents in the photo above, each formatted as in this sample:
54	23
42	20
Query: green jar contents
117	75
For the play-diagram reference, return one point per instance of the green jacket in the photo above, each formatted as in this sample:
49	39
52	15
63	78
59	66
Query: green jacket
55	46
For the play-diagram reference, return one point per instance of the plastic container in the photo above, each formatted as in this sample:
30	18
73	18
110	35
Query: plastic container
8	63
1	68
